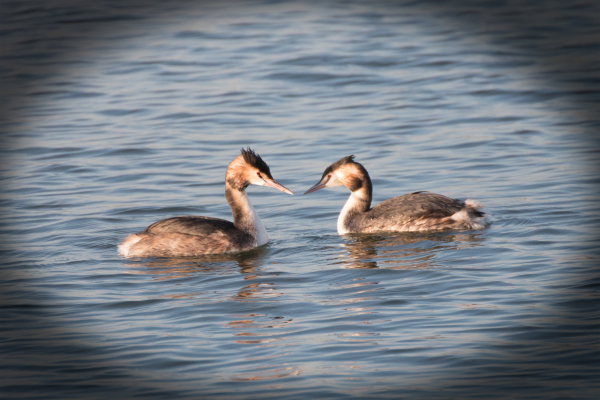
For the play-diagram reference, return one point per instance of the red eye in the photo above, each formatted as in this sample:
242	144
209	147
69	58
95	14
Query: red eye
258	173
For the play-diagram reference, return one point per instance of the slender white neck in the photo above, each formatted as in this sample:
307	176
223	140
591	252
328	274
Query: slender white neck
245	217
355	204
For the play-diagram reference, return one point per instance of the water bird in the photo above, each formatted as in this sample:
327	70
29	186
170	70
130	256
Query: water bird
413	212
191	235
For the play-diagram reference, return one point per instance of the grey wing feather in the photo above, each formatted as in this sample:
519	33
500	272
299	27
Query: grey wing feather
416	205
191	225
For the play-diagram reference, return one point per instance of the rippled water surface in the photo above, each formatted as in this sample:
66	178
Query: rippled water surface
118	115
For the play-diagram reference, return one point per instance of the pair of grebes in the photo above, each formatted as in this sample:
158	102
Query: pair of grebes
193	235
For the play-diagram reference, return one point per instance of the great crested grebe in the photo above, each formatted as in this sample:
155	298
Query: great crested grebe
192	235
418	211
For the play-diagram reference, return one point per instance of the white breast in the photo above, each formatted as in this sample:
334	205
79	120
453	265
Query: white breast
261	231
350	204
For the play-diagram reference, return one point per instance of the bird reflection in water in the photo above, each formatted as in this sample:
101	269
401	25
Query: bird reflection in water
248	262
402	251
252	329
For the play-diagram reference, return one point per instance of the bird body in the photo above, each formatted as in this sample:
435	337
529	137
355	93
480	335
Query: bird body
197	235
413	212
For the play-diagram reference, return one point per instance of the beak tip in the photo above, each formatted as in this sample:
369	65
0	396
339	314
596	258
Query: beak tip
316	187
274	184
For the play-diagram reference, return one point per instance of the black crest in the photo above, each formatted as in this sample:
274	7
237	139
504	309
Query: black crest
337	164
254	159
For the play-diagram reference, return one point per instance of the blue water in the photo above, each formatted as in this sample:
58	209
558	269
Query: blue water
118	115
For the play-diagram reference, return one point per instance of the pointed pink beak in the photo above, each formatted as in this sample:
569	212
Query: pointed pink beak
318	186
274	184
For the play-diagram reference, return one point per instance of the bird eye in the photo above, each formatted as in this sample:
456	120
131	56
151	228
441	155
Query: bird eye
258	173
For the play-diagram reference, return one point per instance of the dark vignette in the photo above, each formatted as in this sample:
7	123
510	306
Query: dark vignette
490	19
